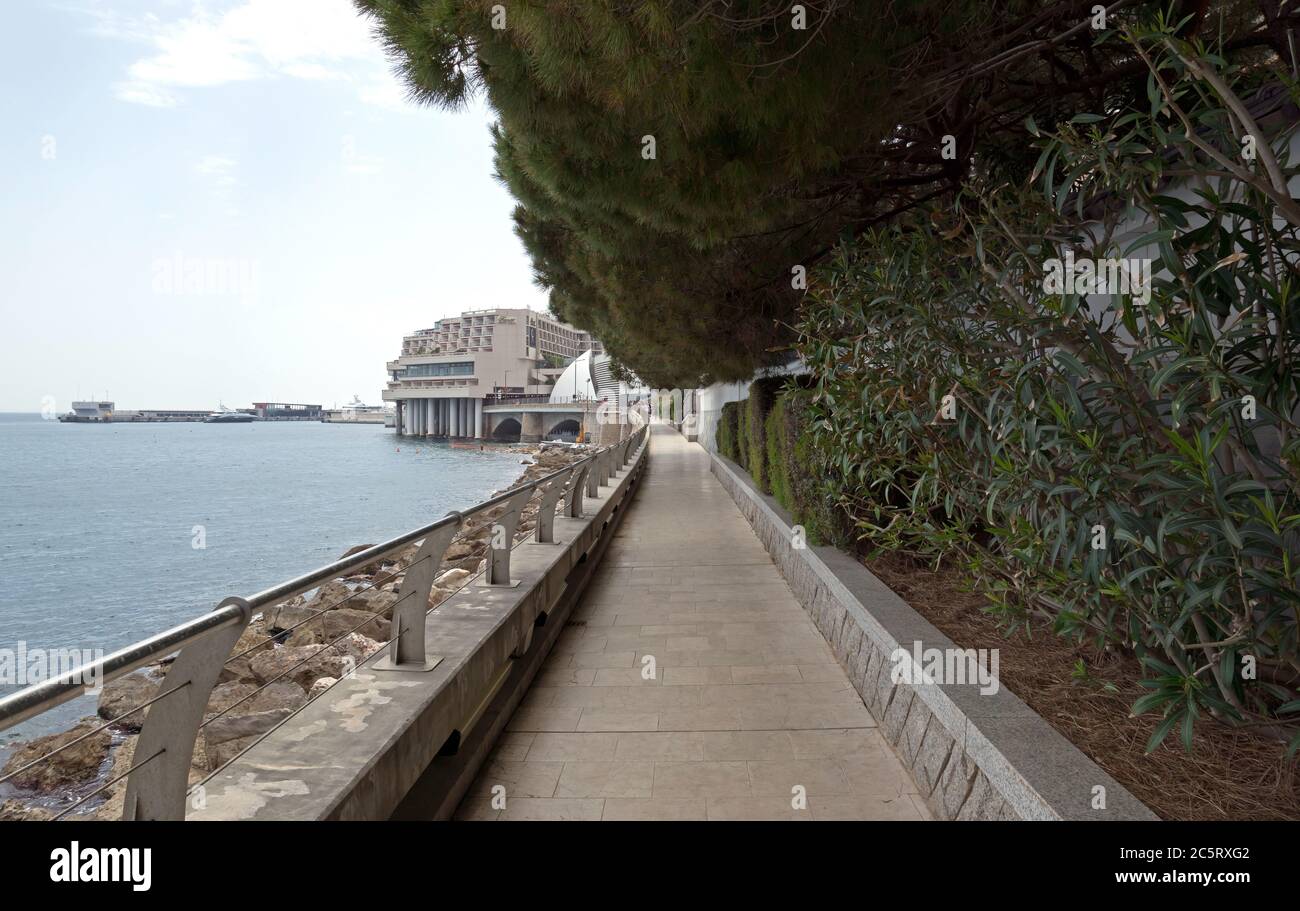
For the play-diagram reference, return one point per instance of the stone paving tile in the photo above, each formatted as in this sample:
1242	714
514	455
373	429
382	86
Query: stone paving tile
747	713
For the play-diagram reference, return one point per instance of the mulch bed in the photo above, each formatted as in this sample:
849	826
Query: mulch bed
1229	775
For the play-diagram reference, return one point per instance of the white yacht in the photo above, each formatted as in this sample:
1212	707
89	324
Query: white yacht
224	415
358	412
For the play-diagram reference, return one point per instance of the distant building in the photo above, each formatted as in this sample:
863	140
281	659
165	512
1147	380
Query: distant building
285	411
446	373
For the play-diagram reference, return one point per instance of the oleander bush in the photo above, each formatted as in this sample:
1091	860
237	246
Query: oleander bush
1126	467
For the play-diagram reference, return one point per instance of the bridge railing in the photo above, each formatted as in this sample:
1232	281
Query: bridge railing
158	778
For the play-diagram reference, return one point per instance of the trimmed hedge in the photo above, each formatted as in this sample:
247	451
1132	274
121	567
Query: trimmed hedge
762	395
727	431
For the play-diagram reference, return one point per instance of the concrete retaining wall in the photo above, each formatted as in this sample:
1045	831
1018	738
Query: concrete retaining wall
973	755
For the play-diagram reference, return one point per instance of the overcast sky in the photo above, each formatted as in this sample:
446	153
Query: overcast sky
229	201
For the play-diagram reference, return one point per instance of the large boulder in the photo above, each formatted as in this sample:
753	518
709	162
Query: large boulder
122	695
304	635
255	636
17	811
292	661
370	568
237	670
357	647
283	694
295	616
375	602
78	763
242	727
345	620
320	686
452	578
231	698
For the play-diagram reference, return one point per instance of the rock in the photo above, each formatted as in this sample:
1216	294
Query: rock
76	764
331	595
452	578
230	694
459	550
124	694
320	686
255	636
284	694
370	568
297	617
17	811
242	727
237	670
221	753
303	635
357	647
375	602
345	620
325	663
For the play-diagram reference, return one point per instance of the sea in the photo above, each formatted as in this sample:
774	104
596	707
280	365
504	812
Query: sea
113	532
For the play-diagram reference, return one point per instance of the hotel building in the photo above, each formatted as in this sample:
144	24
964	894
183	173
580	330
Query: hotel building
446	373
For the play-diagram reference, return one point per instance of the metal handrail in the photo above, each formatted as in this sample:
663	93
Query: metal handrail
233	615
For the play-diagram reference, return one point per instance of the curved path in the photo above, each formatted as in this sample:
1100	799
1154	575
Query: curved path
690	684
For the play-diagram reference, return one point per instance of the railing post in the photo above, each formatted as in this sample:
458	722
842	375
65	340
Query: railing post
502	539
157	787
546	508
593	476
607	468
407	651
577	483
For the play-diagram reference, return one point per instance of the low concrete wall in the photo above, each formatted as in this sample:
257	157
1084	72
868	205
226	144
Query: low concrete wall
972	755
383	743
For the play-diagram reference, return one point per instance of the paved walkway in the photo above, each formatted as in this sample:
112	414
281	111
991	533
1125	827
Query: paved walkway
745	707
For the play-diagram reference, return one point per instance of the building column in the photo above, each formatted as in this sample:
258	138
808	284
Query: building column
478	419
442	417
455	417
428	417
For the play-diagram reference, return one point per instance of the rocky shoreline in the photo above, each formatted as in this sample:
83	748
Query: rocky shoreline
260	686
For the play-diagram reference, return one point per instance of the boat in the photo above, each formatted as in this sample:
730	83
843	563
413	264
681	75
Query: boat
224	415
358	412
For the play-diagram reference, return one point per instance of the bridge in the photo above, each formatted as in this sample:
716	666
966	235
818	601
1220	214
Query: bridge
661	645
531	421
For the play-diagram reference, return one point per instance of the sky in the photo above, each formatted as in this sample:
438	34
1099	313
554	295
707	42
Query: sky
229	201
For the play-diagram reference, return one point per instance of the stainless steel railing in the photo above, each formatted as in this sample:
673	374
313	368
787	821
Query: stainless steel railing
157	781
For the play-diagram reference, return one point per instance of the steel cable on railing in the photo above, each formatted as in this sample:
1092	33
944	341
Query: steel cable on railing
93	731
324	648
317	614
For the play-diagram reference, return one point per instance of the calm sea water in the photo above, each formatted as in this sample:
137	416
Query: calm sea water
97	523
